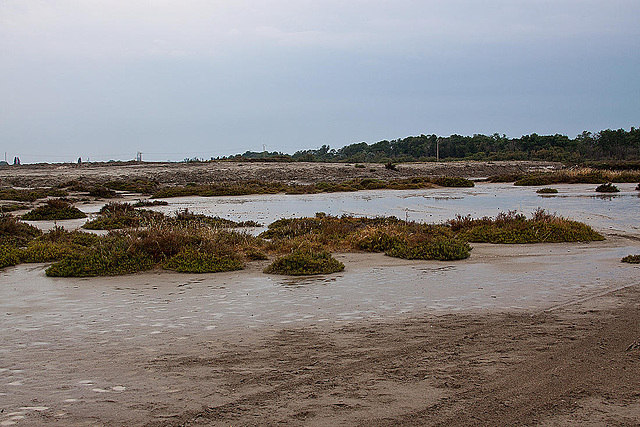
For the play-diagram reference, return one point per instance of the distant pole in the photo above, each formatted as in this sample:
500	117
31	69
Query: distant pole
438	150
264	148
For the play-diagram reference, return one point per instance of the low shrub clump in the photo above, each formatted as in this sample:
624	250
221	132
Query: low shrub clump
439	248
305	262
115	215
54	209
607	188
547	190
632	259
102	192
192	260
453	181
512	227
140	185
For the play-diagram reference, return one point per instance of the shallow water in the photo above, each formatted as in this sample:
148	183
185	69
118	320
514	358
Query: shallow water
610	213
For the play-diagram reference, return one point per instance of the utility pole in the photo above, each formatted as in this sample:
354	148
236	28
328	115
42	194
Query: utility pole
438	150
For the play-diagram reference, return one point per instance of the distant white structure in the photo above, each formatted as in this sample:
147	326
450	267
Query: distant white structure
139	156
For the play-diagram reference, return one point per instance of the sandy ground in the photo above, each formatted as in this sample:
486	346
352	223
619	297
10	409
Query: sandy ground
182	173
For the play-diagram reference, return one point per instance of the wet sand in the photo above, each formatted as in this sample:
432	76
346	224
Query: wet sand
496	340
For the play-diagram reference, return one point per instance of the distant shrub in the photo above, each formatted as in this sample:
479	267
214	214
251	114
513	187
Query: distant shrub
359	166
13	207
54	209
506	177
145	203
31	195
638	187
607	188
390	166
547	190
632	259
140	185
453	181
305	262
102	192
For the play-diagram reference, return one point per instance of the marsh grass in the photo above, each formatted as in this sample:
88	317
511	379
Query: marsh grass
259	187
579	176
54	209
14	232
31	195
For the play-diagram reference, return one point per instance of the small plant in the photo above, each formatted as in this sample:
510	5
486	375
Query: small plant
54	209
632	259
638	187
607	188
547	190
102	192
390	166
305	262
359	166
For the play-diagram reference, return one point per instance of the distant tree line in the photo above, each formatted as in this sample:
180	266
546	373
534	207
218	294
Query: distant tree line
604	146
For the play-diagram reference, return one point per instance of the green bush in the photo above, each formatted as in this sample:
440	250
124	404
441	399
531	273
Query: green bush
305	262
30	195
54	209
190	260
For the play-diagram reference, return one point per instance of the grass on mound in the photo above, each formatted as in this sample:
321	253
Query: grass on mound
13	207
54	209
512	227
305	262
632	259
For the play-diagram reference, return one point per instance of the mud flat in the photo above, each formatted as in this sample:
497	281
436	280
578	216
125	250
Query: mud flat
43	175
525	335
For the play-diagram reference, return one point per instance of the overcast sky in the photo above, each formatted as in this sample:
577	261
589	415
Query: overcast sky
201	78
